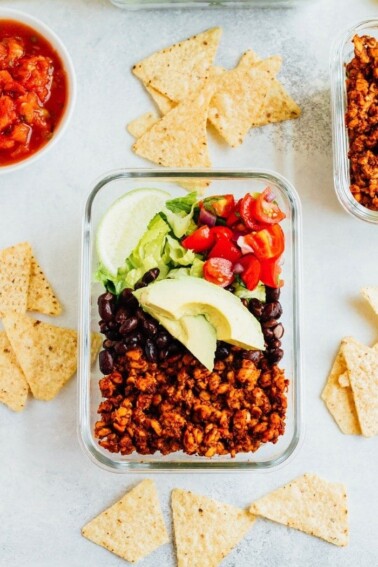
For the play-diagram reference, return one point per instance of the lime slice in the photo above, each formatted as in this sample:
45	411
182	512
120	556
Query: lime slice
124	223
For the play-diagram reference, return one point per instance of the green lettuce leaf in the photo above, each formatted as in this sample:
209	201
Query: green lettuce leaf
244	293
195	270
182	204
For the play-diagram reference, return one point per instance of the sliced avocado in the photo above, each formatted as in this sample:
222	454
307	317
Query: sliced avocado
193	331
178	298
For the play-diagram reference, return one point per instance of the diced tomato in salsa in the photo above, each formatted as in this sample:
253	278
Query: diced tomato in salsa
33	91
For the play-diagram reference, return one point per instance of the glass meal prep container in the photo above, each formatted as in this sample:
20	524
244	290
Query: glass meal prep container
342	53
141	4
106	191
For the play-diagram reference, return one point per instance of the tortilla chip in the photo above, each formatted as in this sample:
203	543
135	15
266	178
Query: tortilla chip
13	385
339	400
179	139
14	277
133	527
362	365
239	98
371	295
46	354
180	70
279	106
142	124
41	297
163	103
206	530
311	505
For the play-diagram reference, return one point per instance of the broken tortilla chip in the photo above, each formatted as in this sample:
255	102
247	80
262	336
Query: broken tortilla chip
46	354
362	365
239	98
163	103
344	380
206	530
180	70
13	385
14	277
371	295
140	125
41	297
179	139
311	505
339	400
133	527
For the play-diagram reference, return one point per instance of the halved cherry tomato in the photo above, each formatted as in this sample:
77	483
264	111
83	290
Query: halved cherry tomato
200	240
234	216
270	273
220	205
225	248
252	268
222	232
267	211
267	243
218	271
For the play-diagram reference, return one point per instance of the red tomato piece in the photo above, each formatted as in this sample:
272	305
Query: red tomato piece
266	210
218	271
268	242
7	112
200	240
234	216
219	205
222	232
252	269
270	273
225	248
36	74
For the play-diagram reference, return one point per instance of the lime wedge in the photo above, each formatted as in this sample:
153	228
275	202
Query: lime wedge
124	223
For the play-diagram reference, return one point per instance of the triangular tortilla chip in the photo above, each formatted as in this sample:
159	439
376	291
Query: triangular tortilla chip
371	295
46	354
13	385
14	277
206	530
133	527
41	297
339	400
278	104
362	365
239	98
179	139
163	103
141	124
344	380
180	70
311	505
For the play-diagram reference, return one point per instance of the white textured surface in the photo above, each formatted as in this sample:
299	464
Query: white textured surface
48	488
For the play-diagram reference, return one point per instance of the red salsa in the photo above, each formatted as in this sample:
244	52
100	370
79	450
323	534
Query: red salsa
33	91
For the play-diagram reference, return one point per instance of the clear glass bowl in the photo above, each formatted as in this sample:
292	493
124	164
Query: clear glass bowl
105	192
341	54
142	4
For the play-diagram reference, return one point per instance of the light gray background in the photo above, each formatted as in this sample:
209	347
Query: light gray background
48	487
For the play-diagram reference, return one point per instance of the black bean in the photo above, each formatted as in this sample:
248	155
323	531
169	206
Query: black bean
272	311
140	314
278	331
275	355
222	351
256	307
150	326
120	348
253	355
108	344
230	288
174	348
151	350
106	362
113	335
139	284
244	301
272	293
129	325
150	276
106	306
103	326
121	315
275	343
268	324
268	334
132	341
162	340
126	299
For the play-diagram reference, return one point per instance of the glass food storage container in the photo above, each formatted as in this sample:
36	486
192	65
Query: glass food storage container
141	4
341	54
105	192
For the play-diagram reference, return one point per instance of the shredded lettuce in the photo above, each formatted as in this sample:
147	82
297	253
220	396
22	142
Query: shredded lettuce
179	214
195	270
257	293
182	204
